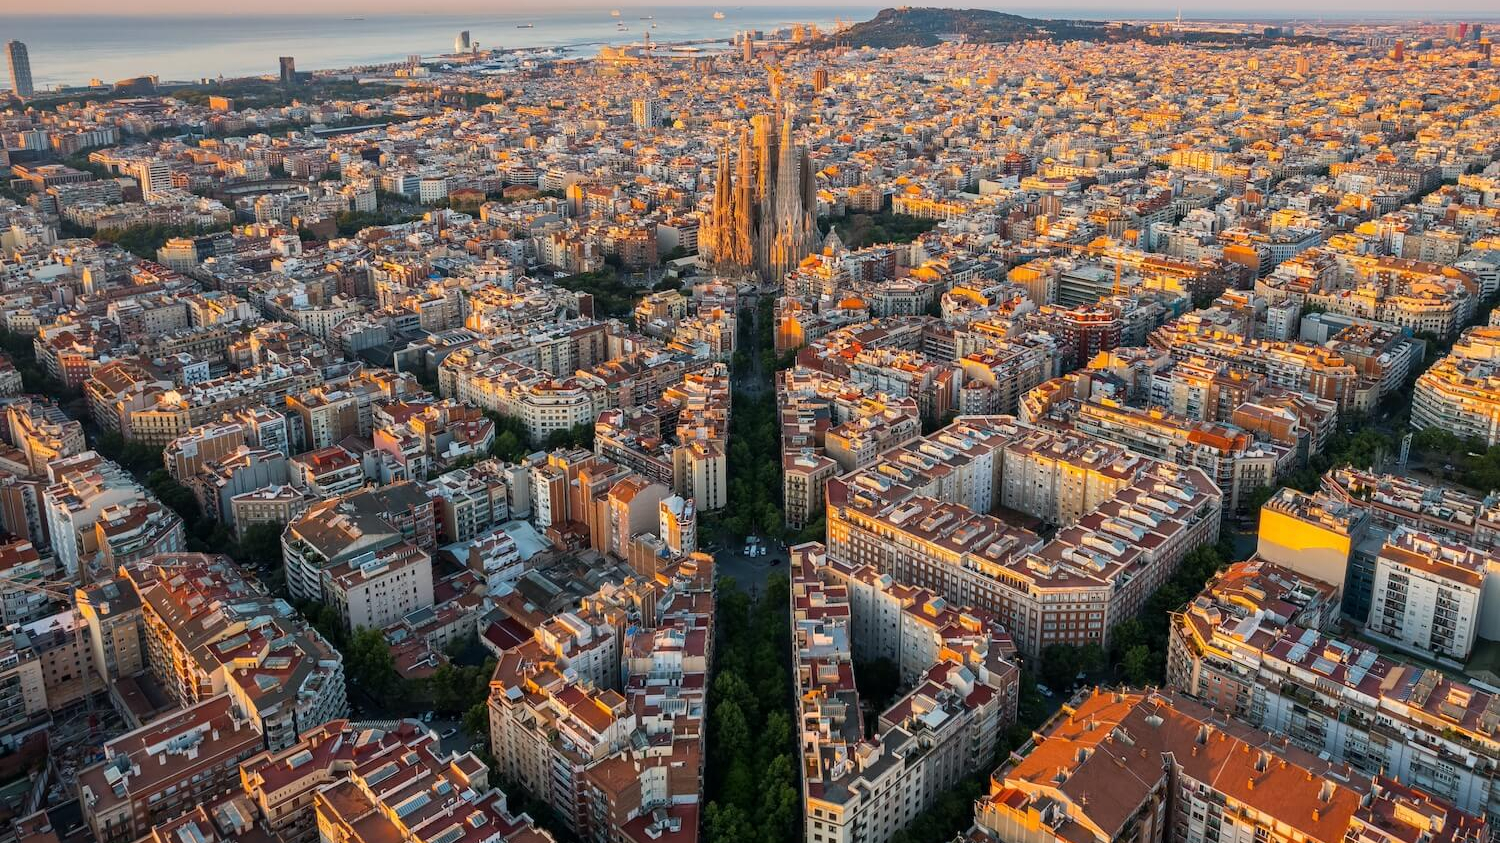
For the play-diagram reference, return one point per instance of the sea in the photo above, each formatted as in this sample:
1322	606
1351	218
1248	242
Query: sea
75	49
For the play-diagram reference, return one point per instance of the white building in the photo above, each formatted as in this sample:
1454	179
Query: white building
1428	594
375	590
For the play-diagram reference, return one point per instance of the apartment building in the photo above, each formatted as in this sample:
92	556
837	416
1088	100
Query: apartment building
867	788
186	455
691	462
1291	365
545	731
1385	358
912	627
175	412
634	508
11	382
1000	375
129	532
921	515
20	566
283	785
1393	501
23	694
328	533
495	558
72	505
1419	296
1316	536
812	406
418	795
209	632
1235	460
432	436
379	587
166	768
1201	389
470	501
1059	477
804	480
278	505
243	471
21	511
859	442
700	405
600	712
1176	770
1428	595
1252	645
326	415
62	661
116	629
1461	392
1339	533
544	403
42	432
677	524
326	472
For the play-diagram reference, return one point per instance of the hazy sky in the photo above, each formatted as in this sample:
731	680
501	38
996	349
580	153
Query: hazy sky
1126	8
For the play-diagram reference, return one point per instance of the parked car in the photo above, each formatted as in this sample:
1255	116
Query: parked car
448	733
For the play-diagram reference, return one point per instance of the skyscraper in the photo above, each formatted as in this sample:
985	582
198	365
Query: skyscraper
20	68
288	72
461	42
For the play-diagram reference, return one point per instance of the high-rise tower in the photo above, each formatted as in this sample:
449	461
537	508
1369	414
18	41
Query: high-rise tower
20	68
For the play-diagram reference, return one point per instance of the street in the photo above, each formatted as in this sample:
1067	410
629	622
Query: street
751	574
459	741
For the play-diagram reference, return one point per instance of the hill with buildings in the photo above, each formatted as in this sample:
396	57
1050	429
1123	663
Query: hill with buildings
908	26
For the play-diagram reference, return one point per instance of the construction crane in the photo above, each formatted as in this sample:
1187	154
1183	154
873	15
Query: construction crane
66	592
